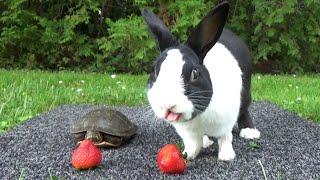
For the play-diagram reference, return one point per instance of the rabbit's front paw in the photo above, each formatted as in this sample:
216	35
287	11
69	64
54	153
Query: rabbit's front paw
206	142
226	153
192	151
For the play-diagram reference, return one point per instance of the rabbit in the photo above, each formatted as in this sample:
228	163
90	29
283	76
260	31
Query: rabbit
202	87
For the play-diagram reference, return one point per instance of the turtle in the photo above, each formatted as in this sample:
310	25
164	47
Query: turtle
105	127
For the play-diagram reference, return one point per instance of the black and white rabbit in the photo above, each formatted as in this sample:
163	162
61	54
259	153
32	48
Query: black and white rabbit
202	87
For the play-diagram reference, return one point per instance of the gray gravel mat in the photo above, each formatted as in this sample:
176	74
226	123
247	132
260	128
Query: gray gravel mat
289	148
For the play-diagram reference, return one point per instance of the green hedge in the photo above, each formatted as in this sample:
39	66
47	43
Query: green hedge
110	36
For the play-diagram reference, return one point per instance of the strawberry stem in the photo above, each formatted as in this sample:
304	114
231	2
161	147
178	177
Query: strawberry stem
180	146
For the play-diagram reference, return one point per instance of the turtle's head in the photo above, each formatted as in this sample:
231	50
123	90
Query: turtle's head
94	136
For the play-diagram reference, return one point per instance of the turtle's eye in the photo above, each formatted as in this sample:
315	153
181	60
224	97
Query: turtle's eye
194	74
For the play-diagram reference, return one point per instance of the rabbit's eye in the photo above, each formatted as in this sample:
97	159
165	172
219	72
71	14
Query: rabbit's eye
194	75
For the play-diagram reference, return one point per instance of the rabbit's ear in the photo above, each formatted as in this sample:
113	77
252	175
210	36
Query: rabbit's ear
208	31
160	32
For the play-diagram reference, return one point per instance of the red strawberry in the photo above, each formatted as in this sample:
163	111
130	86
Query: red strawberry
86	156
170	160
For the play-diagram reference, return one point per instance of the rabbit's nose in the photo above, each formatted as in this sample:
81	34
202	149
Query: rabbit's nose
169	107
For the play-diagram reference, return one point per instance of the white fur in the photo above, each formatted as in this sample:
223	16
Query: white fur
226	152
250	133
220	116
168	90
206	141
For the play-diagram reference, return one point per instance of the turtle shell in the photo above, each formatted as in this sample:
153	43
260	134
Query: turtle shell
107	121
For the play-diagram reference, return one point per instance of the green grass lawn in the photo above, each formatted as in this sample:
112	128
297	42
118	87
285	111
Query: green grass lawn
299	94
24	94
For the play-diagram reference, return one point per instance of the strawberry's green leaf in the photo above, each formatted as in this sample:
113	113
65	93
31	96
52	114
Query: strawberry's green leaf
185	155
180	146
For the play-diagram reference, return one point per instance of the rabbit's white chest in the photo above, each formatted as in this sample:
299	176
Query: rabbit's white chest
225	74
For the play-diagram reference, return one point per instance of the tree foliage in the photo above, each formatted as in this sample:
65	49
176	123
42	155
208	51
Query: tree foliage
100	35
284	36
